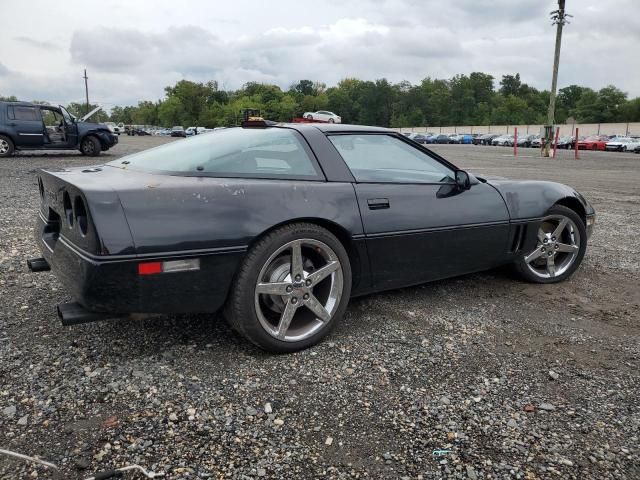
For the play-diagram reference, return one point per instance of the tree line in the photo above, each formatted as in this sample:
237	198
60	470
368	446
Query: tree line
461	100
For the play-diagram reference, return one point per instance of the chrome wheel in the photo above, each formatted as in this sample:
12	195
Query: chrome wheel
4	146
557	247
299	289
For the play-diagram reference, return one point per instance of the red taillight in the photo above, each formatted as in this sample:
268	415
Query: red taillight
149	268
169	266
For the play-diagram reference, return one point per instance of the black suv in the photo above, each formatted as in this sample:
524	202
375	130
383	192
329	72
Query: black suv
28	126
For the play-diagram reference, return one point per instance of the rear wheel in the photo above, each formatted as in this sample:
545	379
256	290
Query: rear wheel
90	146
291	289
6	146
562	242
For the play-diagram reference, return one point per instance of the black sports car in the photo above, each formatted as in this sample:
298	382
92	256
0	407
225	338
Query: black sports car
282	224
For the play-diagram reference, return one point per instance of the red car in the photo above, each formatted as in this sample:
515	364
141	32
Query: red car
595	142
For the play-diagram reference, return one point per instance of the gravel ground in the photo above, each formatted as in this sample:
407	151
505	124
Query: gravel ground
475	377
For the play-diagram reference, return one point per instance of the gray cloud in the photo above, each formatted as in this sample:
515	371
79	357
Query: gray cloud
37	43
144	49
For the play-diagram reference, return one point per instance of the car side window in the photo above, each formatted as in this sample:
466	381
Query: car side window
23	113
381	158
233	152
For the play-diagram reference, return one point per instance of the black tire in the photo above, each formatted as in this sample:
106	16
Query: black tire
526	273
6	146
309	117
331	120
240	308
90	146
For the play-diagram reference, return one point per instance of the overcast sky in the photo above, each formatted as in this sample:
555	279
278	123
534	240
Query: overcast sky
133	49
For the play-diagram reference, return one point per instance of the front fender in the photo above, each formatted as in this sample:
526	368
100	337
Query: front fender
532	199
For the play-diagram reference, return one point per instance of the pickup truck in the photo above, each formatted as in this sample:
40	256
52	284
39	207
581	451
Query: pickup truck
29	126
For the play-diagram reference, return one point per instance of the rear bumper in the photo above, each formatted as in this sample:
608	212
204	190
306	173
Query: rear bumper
111	284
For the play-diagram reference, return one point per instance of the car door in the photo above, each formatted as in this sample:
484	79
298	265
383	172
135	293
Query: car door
419	225
322	115
70	128
27	122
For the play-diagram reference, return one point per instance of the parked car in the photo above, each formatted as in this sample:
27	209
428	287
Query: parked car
536	142
442	138
633	144
287	253
637	149
195	130
29	126
503	141
323	115
485	139
594	142
618	144
566	142
113	127
137	131
418	138
178	131
525	140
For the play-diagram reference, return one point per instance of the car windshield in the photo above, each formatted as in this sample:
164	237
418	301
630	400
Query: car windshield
243	152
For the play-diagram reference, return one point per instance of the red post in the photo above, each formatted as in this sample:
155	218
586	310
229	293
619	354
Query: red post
515	142
575	145
555	142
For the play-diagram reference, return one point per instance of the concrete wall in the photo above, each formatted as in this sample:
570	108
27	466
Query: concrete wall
584	129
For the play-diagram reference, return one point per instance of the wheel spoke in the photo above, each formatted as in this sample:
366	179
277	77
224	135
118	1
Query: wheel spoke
322	273
537	253
541	236
316	307
561	226
273	288
285	319
296	260
551	266
563	247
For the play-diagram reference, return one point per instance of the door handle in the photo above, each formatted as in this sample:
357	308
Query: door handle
378	203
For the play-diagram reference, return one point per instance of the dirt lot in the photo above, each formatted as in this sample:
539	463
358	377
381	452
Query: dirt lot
475	377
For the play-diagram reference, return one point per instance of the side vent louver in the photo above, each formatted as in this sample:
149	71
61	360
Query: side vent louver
519	235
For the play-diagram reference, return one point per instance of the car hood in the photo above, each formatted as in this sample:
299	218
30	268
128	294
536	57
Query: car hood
83	126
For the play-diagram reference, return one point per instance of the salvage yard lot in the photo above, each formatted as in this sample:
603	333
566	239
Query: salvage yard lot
511	380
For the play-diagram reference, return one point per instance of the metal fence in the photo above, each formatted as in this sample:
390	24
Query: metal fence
570	129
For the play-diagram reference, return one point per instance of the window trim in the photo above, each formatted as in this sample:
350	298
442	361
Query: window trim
315	163
431	154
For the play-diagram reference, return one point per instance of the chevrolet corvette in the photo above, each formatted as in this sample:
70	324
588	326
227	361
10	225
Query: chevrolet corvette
278	225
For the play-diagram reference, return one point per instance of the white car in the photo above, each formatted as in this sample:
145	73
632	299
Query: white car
621	144
503	141
113	127
323	115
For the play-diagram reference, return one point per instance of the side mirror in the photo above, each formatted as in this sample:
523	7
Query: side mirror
462	180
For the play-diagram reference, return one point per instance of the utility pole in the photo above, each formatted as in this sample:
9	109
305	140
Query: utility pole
559	18
86	88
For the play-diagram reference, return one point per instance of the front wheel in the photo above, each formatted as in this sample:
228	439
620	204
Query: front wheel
560	247
309	117
331	120
292	288
6	146
90	146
